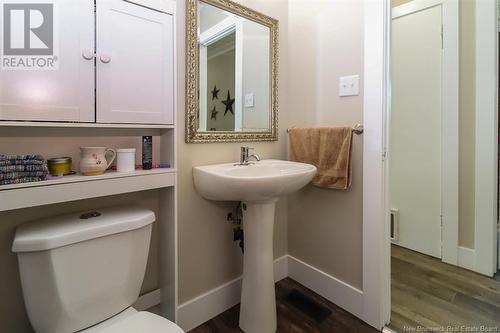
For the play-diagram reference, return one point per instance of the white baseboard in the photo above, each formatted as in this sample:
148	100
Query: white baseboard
195	312
281	268
466	258
201	309
336	291
147	301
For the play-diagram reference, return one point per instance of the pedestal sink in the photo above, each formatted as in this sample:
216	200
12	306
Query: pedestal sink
258	186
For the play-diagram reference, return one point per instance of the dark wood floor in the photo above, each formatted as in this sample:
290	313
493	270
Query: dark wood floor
427	292
290	318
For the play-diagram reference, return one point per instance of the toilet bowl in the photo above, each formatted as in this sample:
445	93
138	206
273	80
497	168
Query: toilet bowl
82	272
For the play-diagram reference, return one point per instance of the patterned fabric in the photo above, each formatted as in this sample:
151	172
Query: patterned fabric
21	180
15	169
21	174
22	160
20	167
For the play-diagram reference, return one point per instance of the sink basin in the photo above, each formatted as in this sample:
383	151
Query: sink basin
260	181
258	185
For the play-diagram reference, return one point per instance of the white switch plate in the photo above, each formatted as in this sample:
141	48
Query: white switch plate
249	100
349	85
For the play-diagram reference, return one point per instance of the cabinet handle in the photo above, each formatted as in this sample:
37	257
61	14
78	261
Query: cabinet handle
88	55
105	59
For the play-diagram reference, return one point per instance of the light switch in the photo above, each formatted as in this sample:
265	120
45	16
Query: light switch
249	100
349	85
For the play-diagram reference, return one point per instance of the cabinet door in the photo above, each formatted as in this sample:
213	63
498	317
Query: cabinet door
64	92
135	80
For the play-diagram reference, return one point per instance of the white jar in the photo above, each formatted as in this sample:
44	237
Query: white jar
125	160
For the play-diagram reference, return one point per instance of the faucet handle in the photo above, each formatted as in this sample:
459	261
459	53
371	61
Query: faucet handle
245	152
246	149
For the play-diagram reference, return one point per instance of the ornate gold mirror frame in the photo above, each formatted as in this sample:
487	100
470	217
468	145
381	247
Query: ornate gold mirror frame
192	75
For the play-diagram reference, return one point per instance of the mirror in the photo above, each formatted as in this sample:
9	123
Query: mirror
231	73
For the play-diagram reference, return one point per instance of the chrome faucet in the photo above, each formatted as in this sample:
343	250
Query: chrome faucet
245	156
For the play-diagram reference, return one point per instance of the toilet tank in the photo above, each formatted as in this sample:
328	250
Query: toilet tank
80	269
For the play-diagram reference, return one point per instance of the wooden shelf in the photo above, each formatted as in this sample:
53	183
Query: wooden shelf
79	187
80	125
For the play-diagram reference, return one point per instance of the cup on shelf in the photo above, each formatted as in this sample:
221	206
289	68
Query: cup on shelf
59	166
125	160
93	160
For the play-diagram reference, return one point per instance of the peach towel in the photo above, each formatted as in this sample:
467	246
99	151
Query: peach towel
327	148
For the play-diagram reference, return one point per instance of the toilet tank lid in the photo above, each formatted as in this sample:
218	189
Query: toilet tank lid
73	228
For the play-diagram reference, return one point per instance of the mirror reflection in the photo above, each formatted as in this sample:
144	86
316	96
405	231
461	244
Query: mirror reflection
234	72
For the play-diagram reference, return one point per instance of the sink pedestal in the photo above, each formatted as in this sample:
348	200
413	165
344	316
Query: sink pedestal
258	186
258	302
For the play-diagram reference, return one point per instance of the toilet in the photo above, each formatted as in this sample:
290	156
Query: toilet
82	272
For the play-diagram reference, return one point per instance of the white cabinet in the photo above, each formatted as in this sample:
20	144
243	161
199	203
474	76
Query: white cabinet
115	66
134	64
62	94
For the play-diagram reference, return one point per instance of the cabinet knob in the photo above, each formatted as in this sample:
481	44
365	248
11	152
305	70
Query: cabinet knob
88	55
105	58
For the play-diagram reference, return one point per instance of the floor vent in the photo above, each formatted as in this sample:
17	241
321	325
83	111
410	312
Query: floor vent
308	306
394	224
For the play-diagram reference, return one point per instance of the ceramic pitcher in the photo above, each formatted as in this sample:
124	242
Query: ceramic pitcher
93	160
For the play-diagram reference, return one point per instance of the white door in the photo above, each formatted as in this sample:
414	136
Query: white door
134	62
416	129
65	93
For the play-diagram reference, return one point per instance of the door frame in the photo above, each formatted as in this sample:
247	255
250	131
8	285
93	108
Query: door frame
376	233
232	24
377	93
450	119
486	147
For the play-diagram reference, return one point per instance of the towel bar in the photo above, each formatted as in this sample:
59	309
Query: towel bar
356	129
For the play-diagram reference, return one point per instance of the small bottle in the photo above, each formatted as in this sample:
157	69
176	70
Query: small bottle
147	152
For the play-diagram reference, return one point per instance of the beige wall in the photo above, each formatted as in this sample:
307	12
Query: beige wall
467	121
207	255
467	124
326	42
256	73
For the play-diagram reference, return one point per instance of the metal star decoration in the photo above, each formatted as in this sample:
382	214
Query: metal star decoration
215	93
213	113
229	103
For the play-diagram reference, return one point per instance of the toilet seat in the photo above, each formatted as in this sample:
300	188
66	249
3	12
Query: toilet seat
132	321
